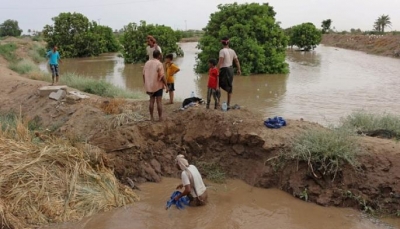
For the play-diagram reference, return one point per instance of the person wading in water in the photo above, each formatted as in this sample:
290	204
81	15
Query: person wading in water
192	183
226	58
152	46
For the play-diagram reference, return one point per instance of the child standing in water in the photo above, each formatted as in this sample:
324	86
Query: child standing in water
172	69
213	84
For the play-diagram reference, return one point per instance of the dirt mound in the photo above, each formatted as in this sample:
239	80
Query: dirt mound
235	141
385	45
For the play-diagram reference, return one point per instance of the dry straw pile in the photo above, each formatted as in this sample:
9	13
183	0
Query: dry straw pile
51	181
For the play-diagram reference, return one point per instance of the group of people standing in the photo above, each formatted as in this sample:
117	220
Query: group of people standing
155	80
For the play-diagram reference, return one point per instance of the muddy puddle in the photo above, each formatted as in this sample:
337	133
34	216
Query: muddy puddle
322	86
232	205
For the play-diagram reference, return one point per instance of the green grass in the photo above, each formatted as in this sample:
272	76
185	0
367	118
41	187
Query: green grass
37	53
97	87
24	66
212	171
8	121
7	51
326	150
367	123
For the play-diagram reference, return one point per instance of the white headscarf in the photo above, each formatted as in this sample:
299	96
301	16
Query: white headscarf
182	162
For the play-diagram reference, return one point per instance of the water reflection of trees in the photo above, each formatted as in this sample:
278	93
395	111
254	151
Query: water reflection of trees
311	58
96	67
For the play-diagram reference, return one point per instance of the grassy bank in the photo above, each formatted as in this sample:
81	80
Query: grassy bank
36	53
46	180
385	45
382	125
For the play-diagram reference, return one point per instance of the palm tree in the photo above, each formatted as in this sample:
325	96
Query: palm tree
383	22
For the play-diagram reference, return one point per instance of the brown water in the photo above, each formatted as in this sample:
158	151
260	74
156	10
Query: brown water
234	205
322	85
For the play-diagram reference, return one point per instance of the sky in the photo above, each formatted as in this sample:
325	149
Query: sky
194	14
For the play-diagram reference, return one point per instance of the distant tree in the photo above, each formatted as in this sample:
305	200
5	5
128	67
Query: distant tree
326	26
254	34
134	39
382	22
77	37
10	28
306	36
29	31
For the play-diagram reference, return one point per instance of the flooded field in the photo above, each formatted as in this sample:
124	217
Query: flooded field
322	86
234	205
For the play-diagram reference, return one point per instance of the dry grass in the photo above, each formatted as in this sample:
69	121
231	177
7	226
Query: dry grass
126	118
113	106
51	181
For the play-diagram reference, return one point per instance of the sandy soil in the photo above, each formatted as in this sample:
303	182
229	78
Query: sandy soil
236	140
386	45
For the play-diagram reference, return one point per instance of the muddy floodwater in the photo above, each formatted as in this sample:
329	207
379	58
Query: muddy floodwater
322	85
232	205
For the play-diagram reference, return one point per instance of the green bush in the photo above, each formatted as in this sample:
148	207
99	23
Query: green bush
326	150
24	66
305	36
37	53
97	87
134	41
368	123
77	37
7	51
254	34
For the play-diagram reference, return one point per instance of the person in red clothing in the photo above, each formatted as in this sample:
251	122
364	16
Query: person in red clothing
213	84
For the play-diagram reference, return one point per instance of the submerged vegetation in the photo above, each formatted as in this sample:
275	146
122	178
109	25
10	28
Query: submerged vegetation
50	181
134	40
254	34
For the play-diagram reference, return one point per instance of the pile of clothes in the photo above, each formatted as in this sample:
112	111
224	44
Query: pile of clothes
180	203
275	123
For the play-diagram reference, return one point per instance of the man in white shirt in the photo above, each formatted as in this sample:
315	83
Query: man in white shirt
226	58
152	45
192	183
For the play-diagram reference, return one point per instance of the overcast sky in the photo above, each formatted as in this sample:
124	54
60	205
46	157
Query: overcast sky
346	14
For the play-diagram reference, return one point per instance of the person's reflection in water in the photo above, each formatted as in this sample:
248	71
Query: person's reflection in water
192	183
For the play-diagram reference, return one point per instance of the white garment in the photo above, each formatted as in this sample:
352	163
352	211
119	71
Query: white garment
229	55
150	51
198	181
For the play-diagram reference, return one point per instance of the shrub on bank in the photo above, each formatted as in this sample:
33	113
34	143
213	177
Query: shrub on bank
370	124
50	181
326	151
7	51
97	87
37	53
24	66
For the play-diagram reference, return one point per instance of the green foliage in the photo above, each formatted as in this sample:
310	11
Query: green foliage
7	51
306	36
77	37
10	28
97	87
381	23
254	34
325	151
326	26
368	123
189	33
135	36
37	53
212	171
24	66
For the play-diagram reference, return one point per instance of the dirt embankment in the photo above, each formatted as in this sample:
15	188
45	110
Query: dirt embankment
385	45
236	141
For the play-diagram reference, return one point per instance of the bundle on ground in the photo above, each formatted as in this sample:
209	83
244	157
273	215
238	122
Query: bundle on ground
51	181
